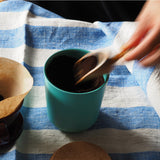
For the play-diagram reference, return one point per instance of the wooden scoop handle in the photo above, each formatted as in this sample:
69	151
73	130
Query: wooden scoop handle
119	55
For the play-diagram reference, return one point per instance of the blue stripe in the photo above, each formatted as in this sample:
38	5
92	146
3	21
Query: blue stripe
117	118
120	70
136	156
142	75
122	81
120	76
75	37
128	118
37	74
12	38
36	118
110	29
22	156
128	156
20	6
14	6
48	37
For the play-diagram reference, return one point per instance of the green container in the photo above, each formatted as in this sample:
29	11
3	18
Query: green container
69	111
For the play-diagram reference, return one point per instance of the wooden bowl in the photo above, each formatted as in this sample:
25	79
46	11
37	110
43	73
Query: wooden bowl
80	150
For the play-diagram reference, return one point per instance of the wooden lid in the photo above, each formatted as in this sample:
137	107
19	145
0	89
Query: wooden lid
80	151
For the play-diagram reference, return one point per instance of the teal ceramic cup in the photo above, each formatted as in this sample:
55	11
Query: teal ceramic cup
70	111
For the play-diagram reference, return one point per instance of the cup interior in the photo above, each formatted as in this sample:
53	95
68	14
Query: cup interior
74	53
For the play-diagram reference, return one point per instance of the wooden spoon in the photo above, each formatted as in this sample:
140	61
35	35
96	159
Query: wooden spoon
95	64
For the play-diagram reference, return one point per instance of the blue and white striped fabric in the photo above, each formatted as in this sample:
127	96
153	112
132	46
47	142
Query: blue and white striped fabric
128	126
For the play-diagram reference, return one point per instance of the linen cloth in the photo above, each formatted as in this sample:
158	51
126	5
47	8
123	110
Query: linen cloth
128	126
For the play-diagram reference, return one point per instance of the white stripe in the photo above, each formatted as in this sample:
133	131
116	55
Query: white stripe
36	97
57	22
13	20
124	97
117	97
16	54
111	140
129	65
37	57
31	56
153	89
123	35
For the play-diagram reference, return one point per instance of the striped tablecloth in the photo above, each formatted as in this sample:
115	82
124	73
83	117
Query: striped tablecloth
128	126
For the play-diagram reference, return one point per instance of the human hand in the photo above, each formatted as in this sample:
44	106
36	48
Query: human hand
146	38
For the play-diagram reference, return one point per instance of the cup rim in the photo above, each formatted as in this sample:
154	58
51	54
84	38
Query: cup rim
69	92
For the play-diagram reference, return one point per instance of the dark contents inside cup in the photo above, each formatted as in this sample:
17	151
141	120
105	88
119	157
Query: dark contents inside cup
60	73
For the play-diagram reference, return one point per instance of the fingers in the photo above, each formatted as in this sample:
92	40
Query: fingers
141	30
152	58
138	35
146	36
146	45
